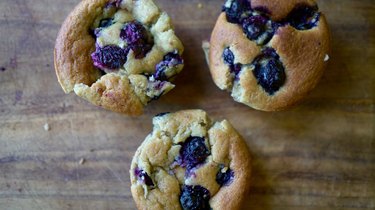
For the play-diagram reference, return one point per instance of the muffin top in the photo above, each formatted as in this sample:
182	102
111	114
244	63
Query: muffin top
269	54
118	54
189	162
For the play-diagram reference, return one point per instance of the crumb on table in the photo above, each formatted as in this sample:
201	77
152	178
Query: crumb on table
82	161
200	5
46	127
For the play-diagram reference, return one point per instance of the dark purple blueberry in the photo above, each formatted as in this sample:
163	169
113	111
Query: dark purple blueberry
303	17
224	177
140	50
236	69
3	68
228	56
195	198
109	57
193	152
254	26
269	71
259	28
133	33
137	38
104	23
170	60
143	176
235	8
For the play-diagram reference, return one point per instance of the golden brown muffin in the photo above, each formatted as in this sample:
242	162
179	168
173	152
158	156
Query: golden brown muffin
189	162
118	54
268	54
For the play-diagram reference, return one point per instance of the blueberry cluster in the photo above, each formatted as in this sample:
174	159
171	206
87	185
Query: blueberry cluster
255	24
111	57
193	152
224	176
258	27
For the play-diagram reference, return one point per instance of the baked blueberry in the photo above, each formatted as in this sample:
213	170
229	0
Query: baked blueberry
234	9
195	198
137	38
303	17
193	152
259	28
133	33
269	71
144	177
236	69
109	57
224	176
228	56
166	68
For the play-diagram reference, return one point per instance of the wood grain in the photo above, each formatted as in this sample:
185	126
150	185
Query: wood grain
318	155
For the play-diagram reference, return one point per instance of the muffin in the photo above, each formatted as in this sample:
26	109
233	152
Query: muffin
118	54
190	162
268	54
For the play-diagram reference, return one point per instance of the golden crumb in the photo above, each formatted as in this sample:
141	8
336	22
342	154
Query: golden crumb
200	5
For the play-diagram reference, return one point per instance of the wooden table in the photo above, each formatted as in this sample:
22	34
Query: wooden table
317	155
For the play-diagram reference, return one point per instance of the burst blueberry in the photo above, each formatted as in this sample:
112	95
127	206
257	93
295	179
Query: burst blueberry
170	60
234	9
303	17
195	198
254	26
109	57
236	69
269	71
228	57
144	177
140	50
224	176
193	152
137	38
133	33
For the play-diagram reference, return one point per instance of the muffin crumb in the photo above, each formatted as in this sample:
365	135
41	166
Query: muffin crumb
326	58
82	161
47	127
